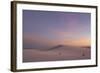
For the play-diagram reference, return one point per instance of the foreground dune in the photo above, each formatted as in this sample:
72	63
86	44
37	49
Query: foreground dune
61	53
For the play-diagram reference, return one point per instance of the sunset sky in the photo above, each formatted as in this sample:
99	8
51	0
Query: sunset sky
42	29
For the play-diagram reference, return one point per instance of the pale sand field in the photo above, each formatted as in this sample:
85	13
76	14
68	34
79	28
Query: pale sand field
62	53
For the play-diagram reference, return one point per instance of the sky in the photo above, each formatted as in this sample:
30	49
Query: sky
43	29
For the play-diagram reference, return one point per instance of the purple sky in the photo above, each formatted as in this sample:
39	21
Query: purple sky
45	28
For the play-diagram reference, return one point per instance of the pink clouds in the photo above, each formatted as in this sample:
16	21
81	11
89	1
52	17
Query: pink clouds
38	40
83	41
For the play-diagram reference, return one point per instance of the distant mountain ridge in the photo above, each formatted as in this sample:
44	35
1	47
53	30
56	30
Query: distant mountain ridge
86	47
55	47
66	47
63	47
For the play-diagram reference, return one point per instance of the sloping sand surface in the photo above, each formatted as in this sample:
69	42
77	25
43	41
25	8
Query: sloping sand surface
62	53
